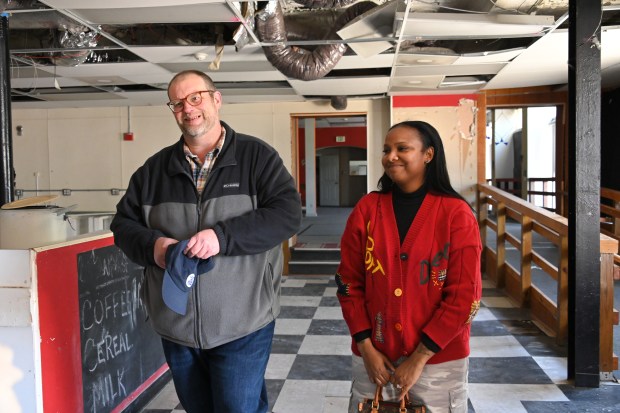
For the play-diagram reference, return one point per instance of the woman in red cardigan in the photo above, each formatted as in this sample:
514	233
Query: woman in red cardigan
409	280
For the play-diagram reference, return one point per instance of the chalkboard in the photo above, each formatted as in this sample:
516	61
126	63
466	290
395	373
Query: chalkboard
120	351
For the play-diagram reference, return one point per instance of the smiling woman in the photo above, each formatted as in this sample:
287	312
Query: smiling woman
405	157
424	238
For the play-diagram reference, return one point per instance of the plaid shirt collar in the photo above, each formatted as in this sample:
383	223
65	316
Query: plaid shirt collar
201	171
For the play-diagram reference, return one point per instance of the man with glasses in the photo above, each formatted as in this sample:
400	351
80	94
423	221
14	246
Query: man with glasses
214	195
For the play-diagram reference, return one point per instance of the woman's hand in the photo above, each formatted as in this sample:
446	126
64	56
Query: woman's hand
406	375
378	366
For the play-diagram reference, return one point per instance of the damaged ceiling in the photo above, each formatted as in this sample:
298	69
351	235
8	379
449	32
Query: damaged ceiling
68	53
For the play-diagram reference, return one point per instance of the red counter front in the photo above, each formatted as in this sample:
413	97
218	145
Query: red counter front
97	351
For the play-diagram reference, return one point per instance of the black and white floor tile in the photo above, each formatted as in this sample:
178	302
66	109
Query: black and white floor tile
514	368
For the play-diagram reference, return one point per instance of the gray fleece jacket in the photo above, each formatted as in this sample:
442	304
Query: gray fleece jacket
251	202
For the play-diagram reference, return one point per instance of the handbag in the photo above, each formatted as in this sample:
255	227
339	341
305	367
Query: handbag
377	405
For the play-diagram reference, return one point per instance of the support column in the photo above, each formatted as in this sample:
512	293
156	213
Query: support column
7	174
310	134
584	144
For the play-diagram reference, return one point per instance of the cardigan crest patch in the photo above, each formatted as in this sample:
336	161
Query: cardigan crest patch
475	306
343	288
429	270
379	338
439	276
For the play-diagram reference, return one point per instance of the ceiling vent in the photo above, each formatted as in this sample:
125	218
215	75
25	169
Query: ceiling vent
298	62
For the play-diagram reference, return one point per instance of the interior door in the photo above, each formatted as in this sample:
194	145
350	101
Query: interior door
329	181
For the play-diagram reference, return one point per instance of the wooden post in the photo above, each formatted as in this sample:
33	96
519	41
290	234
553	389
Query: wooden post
501	245
526	257
584	143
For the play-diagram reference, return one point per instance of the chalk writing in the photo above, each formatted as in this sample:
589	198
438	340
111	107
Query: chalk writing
119	350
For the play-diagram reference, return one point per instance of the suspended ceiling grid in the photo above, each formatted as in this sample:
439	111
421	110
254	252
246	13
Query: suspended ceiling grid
397	48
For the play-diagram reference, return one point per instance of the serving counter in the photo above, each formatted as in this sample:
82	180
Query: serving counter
73	331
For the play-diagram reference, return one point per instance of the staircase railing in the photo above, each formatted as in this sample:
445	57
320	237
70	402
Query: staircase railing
610	221
496	209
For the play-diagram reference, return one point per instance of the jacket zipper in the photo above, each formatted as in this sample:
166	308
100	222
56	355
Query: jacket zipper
197	319
197	286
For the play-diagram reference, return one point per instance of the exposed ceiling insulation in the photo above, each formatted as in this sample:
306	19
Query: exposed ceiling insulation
67	53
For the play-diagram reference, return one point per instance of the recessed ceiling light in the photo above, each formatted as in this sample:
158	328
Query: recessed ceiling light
104	81
424	60
414	82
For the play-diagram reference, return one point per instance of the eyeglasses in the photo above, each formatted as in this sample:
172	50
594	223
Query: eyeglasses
193	99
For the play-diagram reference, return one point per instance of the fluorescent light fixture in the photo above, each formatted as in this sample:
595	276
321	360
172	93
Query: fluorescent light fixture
424	59
462	81
416	82
462	25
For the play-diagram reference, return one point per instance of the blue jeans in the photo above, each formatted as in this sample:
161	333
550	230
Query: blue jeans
225	379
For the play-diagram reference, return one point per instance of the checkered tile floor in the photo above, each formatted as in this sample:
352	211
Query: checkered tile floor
513	366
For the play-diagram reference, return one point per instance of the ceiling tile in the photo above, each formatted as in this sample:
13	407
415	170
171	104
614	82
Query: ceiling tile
462	25
449	70
186	13
405	83
341	86
376	23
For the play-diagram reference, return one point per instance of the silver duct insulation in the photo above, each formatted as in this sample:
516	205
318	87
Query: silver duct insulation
330	4
74	38
297	62
304	25
338	102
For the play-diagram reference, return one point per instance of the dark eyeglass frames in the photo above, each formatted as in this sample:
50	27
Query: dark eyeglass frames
193	99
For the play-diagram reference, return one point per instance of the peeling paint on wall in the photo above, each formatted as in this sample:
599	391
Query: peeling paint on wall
457	128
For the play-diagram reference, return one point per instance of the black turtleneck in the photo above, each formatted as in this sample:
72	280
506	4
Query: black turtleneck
406	206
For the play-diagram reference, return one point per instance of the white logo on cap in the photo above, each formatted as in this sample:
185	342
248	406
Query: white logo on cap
189	281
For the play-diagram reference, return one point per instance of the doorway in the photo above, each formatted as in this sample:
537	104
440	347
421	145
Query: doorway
329	180
521	153
329	157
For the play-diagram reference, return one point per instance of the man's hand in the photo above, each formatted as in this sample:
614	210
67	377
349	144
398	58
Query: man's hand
203	245
159	250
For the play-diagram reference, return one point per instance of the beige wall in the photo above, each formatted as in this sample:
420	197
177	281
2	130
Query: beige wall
83	148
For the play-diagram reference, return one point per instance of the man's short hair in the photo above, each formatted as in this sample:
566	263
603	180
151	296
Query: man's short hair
208	81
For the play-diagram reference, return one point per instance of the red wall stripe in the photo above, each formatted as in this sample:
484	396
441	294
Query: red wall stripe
429	100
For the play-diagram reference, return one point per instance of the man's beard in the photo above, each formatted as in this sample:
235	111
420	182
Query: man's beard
193	131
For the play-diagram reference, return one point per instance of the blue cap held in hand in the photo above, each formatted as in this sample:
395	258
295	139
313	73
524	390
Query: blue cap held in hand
180	276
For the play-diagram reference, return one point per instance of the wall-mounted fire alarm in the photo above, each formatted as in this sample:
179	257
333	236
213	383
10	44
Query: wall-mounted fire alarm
128	136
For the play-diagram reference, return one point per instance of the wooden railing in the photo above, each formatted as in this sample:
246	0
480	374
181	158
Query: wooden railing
496	211
540	191
610	221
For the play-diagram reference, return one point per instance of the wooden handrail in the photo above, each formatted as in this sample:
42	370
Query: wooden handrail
552	221
548	314
610	194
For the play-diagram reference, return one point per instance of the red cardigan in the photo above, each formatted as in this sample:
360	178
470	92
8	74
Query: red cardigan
430	284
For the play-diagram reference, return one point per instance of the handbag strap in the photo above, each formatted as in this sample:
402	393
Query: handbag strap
378	398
